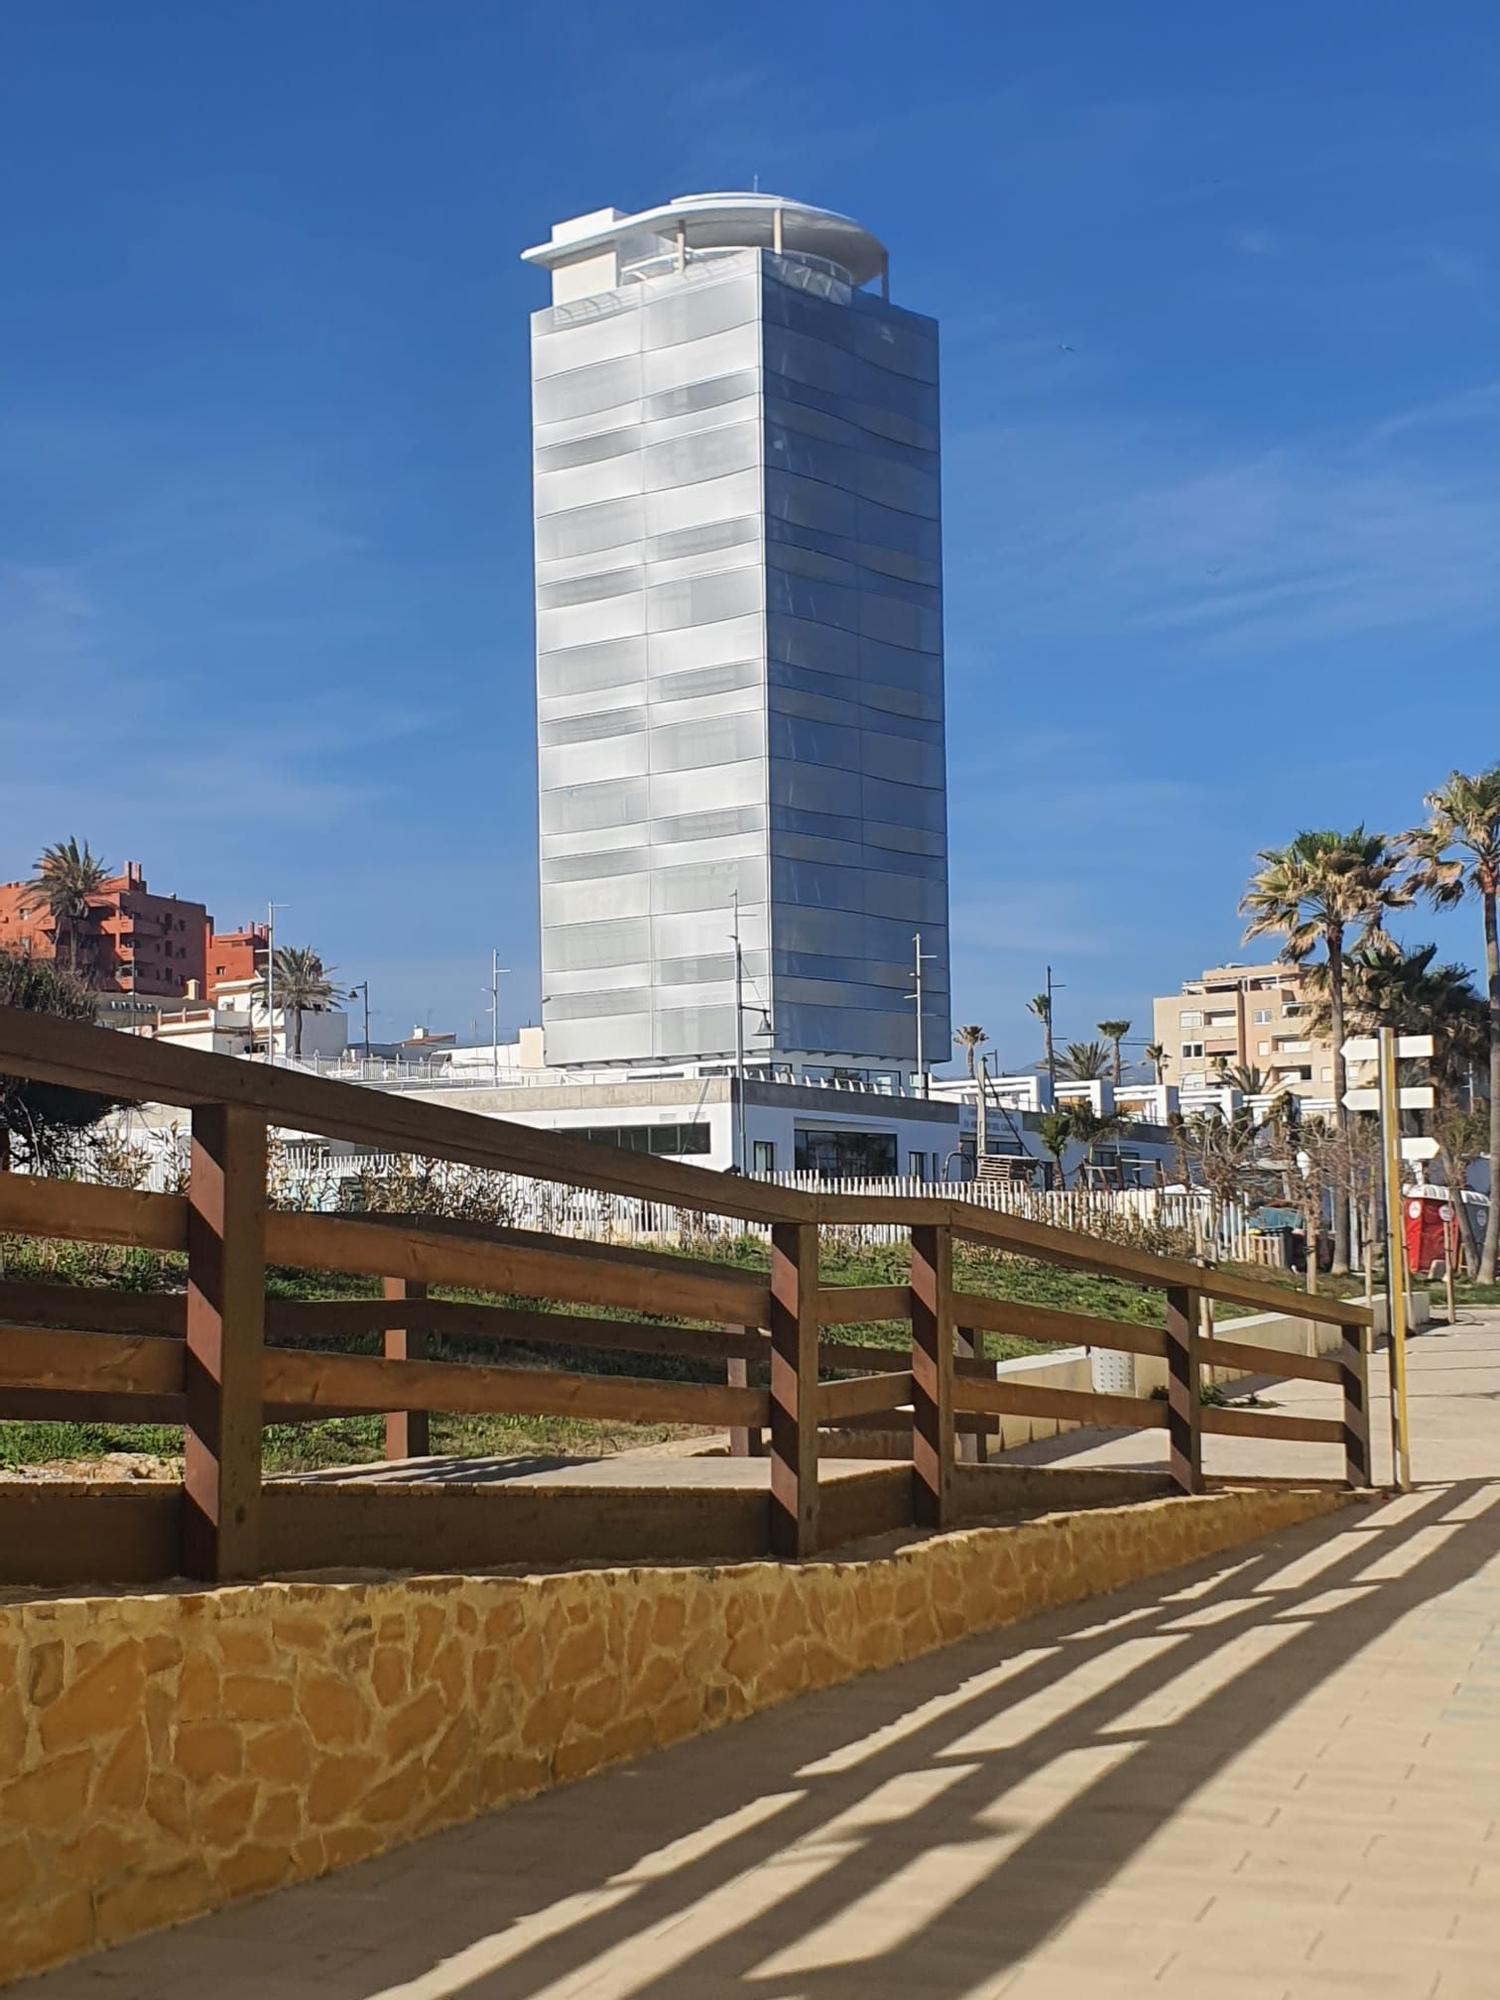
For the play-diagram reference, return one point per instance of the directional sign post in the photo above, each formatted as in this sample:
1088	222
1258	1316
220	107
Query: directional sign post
1395	1261
1414	1148
1390	1098
1409	1097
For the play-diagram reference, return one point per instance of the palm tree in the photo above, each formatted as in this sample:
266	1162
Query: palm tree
1090	1128
1456	854
1084	1062
1329	889
1040	1005
1055	1129
969	1039
67	875
1156	1055
1406	991
1248	1079
299	984
1114	1032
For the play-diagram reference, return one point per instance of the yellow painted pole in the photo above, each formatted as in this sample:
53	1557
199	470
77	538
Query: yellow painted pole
1395	1258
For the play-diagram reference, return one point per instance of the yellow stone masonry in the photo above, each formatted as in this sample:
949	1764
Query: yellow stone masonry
165	1752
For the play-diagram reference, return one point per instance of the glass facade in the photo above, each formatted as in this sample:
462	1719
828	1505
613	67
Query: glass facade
739	667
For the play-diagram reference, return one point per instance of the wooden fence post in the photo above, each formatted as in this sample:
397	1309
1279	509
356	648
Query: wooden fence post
743	1442
1354	1365
408	1433
932	1374
1184	1409
973	1446
794	1388
226	1300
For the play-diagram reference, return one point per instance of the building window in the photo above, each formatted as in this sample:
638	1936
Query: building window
1190	1049
1262	1017
1190	1020
763	1156
916	1166
1262	1048
844	1155
670	1140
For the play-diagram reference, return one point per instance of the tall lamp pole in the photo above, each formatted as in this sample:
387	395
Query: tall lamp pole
497	973
739	1037
1051	1036
271	909
363	989
920	958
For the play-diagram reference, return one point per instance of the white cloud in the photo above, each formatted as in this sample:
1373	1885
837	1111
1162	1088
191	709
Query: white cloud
1127	529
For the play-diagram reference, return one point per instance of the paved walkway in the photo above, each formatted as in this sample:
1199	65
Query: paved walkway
1276	1774
1454	1390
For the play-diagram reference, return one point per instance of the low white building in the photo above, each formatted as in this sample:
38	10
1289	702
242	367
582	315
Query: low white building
235	1022
836	1129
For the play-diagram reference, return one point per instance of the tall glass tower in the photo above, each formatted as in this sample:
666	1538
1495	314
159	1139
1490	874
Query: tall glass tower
739	640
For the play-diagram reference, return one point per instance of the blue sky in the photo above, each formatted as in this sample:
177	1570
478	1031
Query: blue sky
1220	300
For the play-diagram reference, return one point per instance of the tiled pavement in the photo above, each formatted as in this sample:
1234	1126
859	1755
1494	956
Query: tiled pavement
1276	1774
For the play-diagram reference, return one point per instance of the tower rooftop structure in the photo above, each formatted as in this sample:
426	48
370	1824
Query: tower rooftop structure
691	226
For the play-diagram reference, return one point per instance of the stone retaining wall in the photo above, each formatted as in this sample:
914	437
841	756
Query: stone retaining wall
162	1753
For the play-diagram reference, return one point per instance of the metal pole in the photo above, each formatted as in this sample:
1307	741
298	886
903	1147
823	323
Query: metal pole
921	1049
1395	1263
496	971
1051	1040
271	909
365	990
739	1037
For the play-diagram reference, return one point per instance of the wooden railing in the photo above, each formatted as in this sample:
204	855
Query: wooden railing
215	1358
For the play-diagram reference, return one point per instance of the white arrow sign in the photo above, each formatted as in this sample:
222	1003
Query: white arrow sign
1366	1049
1411	1097
1419	1149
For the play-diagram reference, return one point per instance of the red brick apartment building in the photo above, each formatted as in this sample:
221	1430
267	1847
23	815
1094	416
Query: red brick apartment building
131	941
235	956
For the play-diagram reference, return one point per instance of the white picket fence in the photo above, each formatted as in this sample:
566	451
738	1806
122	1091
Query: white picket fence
1119	1214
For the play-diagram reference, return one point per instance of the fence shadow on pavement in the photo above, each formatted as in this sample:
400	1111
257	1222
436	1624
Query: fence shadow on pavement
923	1831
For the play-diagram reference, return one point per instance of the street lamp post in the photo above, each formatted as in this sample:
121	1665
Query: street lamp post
271	909
363	989
739	1038
920	959
497	973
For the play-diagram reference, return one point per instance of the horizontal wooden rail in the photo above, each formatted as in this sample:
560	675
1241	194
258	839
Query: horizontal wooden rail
103	1060
1270	1424
127	1406
153	1072
848	1305
624	1255
332	1319
1216	1352
33	1357
344	1243
1074	1251
365	1382
1061	1329
80	1212
92	1308
1079	1406
863	1396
